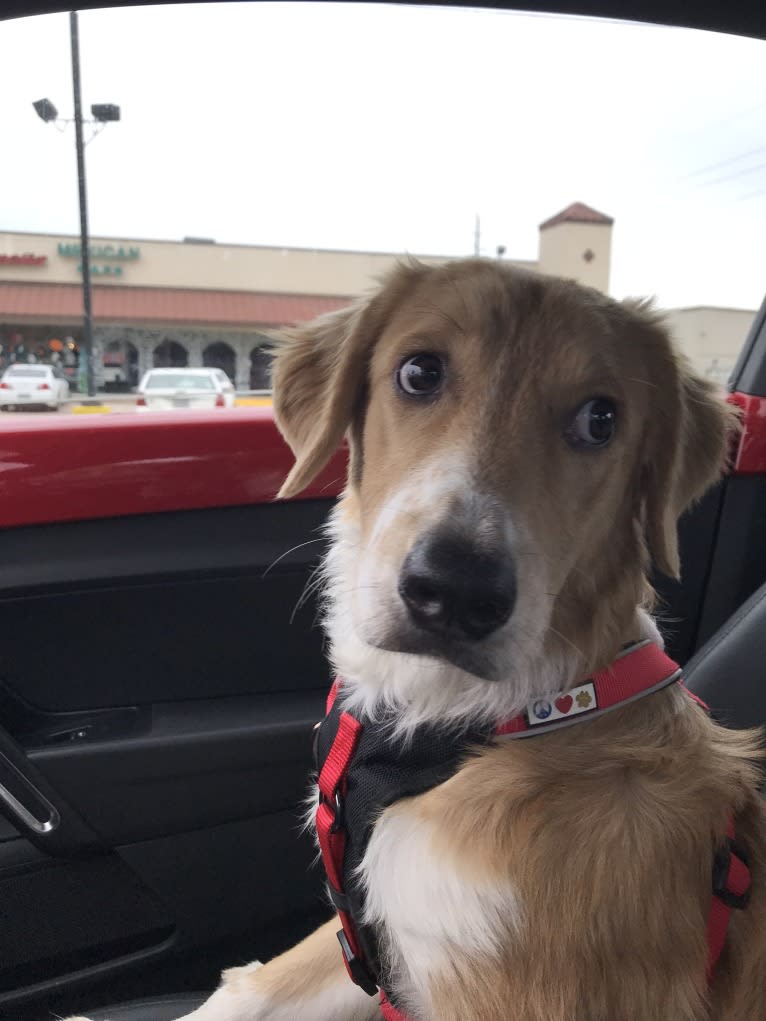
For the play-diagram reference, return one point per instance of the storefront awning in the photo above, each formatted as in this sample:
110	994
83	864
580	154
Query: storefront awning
62	303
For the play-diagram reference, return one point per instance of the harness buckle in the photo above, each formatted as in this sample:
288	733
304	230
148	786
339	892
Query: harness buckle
356	968
337	823
721	869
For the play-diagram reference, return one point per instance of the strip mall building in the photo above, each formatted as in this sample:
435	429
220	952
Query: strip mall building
196	302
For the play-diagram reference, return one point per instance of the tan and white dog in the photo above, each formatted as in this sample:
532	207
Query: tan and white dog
518	445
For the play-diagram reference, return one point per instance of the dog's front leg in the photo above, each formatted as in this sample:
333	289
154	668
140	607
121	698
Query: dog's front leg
307	983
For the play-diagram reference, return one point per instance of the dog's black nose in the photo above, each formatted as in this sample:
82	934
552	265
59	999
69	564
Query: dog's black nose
452	588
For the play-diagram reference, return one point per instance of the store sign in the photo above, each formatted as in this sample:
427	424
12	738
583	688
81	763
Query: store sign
116	254
124	253
27	259
107	269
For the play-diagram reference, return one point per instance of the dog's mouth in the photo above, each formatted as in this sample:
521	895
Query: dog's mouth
475	659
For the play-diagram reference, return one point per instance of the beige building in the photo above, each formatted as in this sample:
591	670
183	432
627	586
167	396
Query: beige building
711	337
197	302
575	242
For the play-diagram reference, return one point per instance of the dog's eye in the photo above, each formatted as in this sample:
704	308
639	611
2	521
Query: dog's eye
593	425
421	375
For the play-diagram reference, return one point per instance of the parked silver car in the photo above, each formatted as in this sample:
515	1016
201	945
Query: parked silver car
165	389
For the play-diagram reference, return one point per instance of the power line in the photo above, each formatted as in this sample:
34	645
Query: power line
752	195
724	121
731	177
725	163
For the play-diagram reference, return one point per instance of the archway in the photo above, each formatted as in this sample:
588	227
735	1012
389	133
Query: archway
260	368
170	355
220	356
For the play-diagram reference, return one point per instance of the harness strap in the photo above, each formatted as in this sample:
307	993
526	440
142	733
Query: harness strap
388	1010
731	882
332	694
731	892
331	832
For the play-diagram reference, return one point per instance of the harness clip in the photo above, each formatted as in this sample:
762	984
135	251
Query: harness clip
356	968
338	813
339	819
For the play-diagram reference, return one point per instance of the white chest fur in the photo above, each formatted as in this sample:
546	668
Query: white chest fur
432	914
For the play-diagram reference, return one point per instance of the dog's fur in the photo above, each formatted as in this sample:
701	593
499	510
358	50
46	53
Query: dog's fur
567	877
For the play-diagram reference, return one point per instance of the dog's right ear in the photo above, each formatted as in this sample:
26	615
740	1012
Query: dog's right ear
320	372
688	434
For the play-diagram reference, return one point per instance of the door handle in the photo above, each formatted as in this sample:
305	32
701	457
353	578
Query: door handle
24	803
34	807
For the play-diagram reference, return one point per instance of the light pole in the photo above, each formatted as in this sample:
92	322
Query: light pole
102	114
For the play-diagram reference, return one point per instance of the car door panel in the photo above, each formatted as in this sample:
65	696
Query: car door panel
108	595
155	672
77	913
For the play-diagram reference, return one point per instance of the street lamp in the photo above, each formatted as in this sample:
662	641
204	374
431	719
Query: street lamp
102	114
45	110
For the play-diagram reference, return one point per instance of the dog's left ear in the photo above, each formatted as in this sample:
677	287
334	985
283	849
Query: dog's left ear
320	371
687	442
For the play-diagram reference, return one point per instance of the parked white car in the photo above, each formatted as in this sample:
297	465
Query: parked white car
165	389
33	386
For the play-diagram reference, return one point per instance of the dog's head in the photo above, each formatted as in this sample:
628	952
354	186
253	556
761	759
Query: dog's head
516	441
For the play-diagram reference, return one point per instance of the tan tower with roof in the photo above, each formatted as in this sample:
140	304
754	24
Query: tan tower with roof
577	243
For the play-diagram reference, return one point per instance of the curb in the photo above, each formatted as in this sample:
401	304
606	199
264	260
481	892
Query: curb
90	409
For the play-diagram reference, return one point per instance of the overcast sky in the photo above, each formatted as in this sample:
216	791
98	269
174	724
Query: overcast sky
389	128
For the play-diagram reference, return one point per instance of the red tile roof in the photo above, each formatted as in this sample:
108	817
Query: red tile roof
578	212
147	305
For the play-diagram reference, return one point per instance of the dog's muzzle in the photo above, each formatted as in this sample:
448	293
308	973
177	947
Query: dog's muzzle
456	591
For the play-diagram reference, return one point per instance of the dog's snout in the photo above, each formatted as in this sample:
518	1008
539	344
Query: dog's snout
452	588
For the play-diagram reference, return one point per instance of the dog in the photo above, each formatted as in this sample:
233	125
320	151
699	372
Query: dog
521	448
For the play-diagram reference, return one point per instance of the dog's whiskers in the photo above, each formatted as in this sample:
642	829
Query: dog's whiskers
287	553
313	584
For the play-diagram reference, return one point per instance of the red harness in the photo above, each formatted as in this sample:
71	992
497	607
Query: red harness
641	670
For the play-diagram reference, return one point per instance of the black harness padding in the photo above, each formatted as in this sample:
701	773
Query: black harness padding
383	770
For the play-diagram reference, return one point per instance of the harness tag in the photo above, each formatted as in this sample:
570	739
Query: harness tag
582	699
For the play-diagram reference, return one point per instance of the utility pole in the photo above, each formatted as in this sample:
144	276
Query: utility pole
103	113
477	237
84	249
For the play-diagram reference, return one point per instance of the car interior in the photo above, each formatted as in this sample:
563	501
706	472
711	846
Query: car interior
160	676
